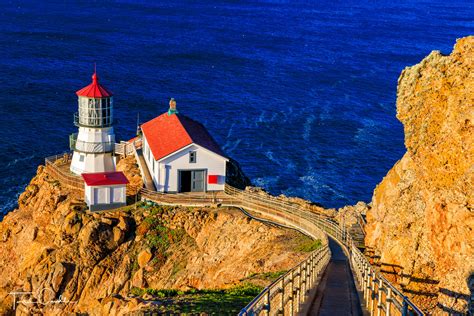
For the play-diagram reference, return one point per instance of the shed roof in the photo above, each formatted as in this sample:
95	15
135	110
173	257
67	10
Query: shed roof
104	178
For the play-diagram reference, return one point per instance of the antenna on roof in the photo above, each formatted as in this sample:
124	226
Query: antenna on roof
138	124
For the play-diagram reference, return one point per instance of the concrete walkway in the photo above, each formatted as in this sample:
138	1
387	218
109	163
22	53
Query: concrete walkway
337	293
146	176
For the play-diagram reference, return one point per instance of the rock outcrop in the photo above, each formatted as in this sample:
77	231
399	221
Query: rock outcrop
52	246
421	224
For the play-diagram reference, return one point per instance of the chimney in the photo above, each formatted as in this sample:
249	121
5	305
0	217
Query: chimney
172	109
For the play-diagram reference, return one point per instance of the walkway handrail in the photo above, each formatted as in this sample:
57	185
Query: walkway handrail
380	296
286	293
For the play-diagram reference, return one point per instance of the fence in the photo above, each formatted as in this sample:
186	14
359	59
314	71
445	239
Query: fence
58	167
284	296
205	199
380	297
127	148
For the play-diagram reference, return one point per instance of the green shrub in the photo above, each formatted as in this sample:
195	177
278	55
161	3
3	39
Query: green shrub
310	245
245	289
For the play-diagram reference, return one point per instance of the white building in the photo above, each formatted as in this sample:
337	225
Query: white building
93	147
181	155
105	190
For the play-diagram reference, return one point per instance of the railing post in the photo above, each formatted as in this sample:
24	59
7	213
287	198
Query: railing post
298	293
379	301
304	285
267	302
282	303
367	286
292	292
405	307
364	282
388	301
372	294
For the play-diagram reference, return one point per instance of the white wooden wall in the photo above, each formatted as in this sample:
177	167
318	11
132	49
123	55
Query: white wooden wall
165	172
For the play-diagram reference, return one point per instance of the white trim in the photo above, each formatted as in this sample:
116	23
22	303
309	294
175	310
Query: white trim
182	148
186	147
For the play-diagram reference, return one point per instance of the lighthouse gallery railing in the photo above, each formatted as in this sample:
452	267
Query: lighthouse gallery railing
90	147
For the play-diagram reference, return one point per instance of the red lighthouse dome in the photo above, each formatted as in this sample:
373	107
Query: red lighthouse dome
94	90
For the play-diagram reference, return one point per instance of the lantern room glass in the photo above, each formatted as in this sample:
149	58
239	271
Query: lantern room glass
95	112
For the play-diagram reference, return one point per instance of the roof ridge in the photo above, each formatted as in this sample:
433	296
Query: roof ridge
180	116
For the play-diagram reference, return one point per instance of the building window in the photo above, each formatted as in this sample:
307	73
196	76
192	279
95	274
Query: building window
81	158
192	157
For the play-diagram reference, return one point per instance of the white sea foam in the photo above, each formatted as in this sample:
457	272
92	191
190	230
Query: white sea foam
307	126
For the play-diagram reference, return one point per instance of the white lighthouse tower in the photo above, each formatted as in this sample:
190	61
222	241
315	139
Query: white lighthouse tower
93	146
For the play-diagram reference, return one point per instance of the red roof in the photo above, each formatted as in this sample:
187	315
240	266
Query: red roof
104	178
94	90
167	134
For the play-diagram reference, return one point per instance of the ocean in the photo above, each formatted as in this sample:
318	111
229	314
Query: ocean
301	93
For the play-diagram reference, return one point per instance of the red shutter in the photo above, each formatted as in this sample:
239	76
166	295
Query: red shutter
213	179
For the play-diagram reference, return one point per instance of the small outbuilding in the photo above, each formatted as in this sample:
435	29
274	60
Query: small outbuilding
181	155
105	190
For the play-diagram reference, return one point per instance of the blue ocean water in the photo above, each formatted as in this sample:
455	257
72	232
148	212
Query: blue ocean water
301	93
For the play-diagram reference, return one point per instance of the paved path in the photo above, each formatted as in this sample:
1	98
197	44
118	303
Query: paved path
337	294
144	169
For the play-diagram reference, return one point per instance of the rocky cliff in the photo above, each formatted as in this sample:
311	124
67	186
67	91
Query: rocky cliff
420	226
53	247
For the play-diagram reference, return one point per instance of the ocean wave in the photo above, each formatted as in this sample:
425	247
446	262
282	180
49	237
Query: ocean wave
307	126
15	161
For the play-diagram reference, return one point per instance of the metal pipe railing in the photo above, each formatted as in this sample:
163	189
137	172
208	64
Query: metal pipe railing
381	297
286	293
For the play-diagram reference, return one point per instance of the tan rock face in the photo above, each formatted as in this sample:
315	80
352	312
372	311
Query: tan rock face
144	257
93	260
421	224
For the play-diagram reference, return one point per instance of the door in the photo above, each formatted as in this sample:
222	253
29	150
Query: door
185	181
197	180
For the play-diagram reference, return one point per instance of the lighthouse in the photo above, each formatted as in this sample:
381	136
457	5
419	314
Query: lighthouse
93	145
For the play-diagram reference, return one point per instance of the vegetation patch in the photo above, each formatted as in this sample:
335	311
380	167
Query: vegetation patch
267	276
306	244
210	301
157	236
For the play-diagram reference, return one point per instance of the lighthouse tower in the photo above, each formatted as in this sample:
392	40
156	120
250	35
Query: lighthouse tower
93	146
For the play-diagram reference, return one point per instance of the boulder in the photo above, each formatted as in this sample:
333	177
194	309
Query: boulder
144	257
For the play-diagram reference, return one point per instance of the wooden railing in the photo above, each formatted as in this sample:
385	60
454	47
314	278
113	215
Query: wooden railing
57	168
125	149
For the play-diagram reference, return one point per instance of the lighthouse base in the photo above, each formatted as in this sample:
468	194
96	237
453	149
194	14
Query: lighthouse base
91	163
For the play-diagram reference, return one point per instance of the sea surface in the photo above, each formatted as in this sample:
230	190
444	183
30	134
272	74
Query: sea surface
301	93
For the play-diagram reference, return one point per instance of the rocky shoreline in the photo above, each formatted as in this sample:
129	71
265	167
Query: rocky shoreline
96	259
